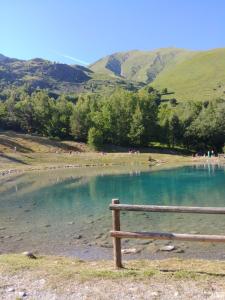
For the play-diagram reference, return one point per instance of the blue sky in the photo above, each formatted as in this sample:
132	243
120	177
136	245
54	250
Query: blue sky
82	31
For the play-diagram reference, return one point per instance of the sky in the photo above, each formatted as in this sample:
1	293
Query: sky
83	31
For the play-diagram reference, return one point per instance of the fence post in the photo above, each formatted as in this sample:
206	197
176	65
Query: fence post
116	241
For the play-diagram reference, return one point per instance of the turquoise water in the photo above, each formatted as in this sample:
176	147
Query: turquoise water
70	212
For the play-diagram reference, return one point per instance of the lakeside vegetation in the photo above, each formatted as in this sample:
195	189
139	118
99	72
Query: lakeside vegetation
132	119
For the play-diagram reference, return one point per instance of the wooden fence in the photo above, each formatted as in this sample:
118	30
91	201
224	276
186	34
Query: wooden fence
117	234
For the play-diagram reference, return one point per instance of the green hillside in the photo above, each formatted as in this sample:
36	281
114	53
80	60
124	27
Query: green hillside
191	75
140	65
201	77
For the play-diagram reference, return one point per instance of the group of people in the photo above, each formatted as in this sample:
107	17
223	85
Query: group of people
208	154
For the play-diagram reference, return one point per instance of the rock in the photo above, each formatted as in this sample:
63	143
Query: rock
70	223
29	254
145	242
180	251
18	239
10	290
8	236
77	236
155	294
167	248
22	294
106	245
99	236
129	251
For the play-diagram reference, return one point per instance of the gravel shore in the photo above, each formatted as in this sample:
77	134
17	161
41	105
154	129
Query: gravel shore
24	286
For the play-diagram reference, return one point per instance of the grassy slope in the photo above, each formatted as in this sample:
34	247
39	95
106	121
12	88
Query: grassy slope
141	65
191	75
200	78
35	152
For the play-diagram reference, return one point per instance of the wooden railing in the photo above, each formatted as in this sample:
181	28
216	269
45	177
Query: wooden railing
117	234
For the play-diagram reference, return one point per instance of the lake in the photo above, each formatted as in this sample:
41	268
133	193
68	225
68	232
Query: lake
66	212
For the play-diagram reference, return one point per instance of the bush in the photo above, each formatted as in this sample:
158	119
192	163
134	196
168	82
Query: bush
95	138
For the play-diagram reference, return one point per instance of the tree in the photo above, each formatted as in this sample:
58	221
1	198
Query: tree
164	91
3	115
60	119
137	128
175	130
80	120
95	138
149	105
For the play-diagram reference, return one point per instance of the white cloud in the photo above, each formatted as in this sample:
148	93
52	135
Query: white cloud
77	60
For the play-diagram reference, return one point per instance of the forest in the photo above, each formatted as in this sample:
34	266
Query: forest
125	118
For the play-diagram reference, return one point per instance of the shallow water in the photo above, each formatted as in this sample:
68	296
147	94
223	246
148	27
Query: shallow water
67	212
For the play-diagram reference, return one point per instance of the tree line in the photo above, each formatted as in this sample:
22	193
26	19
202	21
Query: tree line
123	118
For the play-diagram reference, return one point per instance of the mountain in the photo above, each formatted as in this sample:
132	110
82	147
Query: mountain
55	77
189	75
40	73
140	65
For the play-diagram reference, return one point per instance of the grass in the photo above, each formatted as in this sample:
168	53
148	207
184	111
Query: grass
35	153
64	269
201	77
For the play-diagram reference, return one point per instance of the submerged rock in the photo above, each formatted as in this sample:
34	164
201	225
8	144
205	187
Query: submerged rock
70	223
47	225
77	236
179	251
100	235
18	239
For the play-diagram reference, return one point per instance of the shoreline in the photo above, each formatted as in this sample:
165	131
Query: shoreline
45	167
154	164
55	277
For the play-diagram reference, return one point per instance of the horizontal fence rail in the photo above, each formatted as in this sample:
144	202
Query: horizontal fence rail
168	236
117	234
173	209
